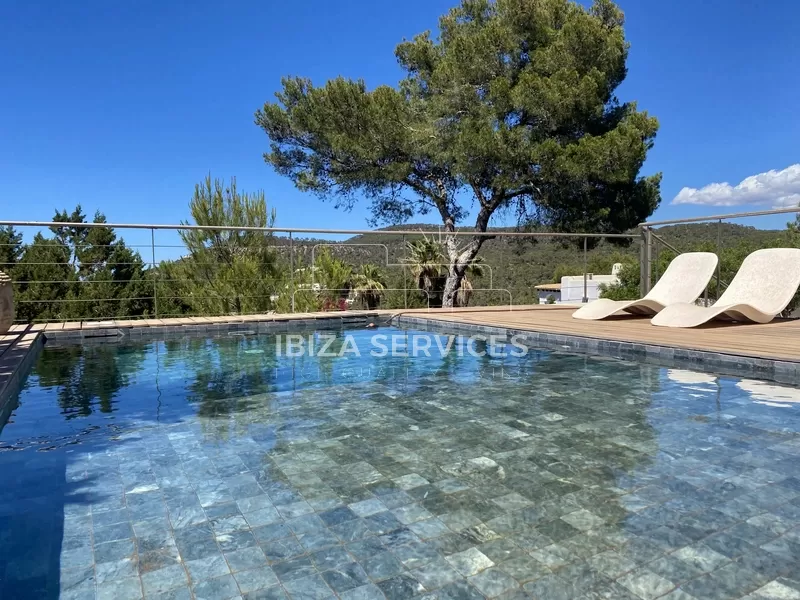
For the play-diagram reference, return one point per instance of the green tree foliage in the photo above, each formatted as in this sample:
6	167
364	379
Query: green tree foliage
369	284
10	248
71	237
333	276
117	286
44	278
226	271
324	285
80	273
628	286
512	107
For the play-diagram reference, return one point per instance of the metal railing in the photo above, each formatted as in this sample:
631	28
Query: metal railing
723	217
157	297
651	242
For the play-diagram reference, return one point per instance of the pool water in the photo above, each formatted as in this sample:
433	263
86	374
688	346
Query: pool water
216	468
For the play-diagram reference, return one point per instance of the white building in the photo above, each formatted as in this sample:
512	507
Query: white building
571	288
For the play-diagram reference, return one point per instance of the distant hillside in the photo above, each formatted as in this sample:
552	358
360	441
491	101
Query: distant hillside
518	264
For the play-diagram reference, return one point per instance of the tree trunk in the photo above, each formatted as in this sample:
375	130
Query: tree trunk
460	260
451	285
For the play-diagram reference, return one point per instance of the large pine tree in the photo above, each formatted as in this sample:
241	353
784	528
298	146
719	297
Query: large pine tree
511	107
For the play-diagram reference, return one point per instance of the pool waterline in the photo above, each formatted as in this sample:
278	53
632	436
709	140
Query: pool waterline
215	465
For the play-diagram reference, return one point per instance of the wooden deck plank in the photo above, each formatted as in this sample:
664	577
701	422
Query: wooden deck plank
779	339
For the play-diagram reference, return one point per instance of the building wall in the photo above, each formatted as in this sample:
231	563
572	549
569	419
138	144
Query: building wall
572	287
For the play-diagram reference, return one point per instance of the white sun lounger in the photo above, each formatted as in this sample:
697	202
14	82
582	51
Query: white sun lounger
684	280
763	287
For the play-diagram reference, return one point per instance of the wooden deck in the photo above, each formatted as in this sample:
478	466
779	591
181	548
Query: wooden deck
778	340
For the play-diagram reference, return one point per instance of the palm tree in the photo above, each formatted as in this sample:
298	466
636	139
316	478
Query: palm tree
464	293
429	267
368	284
427	261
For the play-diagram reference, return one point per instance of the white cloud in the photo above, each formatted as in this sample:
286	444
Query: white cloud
776	189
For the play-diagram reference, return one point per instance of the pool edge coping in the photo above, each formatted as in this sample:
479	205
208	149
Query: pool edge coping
15	364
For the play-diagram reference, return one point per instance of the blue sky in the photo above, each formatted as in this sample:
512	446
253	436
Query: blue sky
123	106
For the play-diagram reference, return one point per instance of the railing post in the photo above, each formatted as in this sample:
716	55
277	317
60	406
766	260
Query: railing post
719	251
405	280
644	266
585	269
291	267
655	262
155	273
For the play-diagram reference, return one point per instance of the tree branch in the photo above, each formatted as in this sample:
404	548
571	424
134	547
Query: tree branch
479	195
521	191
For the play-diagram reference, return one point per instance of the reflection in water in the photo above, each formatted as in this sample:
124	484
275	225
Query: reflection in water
770	394
690	377
88	378
551	465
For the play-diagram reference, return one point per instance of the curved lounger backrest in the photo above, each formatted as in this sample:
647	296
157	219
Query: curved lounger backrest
767	280
685	278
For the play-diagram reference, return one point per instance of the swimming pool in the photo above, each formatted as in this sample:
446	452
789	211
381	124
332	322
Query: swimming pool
228	467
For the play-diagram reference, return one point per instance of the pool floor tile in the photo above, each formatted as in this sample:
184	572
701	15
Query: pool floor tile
220	588
311	587
493	582
120	589
469	562
401	587
256	579
164	580
208	567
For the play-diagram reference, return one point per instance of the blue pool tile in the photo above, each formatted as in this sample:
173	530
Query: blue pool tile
312	587
330	558
228	542
246	558
113	533
401	586
164	580
282	549
111	517
208	567
114	570
219	588
365	592
256	579
294	568
272	593
75	558
345	577
120	589
114	551
382	565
